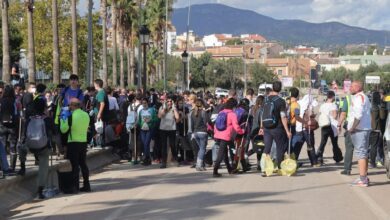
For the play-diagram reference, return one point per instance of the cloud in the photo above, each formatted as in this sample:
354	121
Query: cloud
372	14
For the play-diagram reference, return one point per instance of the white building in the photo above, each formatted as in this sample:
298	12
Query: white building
216	40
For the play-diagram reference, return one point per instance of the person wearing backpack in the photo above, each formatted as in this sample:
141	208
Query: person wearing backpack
77	143
225	126
198	128
275	123
38	135
376	135
328	115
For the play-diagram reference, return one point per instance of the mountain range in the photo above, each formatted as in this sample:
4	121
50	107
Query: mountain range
208	19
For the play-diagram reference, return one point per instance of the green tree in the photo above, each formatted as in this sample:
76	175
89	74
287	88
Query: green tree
234	41
260	74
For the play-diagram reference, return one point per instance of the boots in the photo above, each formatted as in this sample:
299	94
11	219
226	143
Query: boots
14	158
40	193
86	187
22	170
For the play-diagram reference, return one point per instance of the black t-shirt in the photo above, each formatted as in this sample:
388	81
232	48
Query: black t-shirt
280	106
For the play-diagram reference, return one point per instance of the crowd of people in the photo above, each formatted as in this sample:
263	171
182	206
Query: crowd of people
177	128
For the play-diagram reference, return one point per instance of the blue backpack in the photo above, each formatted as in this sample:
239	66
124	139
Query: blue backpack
240	112
221	121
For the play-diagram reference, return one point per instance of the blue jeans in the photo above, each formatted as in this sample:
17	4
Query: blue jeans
297	142
201	140
3	156
146	137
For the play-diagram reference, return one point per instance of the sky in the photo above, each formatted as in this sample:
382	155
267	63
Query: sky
371	14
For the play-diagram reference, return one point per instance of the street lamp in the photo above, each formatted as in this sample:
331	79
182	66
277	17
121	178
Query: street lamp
144	34
184	57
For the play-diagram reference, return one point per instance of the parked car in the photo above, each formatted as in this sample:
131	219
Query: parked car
219	92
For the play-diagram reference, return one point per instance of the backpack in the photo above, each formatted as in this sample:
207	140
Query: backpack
36	136
240	112
221	121
270	120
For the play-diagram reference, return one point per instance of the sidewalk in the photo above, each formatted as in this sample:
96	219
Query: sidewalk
16	190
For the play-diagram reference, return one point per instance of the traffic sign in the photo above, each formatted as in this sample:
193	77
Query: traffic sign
373	79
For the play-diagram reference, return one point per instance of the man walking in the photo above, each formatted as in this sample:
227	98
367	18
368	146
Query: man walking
359	126
76	128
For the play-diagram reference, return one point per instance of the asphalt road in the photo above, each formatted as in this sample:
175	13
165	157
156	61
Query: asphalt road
121	191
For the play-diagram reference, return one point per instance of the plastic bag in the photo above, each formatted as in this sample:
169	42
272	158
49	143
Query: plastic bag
99	127
268	166
288	167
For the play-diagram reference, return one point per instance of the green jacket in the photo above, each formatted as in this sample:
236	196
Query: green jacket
79	127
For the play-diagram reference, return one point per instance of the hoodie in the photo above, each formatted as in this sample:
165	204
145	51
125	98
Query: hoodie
232	127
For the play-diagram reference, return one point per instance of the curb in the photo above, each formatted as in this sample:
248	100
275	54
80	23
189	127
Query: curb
21	189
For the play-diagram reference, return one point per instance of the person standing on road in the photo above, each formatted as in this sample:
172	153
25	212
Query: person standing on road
224	137
346	108
76	128
376	141
147	119
359	126
169	117
328	113
198	128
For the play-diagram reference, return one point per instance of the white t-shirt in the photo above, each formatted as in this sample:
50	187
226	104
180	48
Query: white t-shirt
327	108
361	110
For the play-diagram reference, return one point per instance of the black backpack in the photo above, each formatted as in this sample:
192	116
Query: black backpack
270	119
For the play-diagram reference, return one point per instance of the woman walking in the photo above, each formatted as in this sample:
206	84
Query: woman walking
147	122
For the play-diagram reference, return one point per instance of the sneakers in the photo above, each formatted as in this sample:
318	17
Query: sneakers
345	172
379	164
361	183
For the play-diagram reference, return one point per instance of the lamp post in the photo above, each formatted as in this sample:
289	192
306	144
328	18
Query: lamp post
144	34
184	57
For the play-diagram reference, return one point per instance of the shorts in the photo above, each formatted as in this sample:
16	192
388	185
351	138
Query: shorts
360	141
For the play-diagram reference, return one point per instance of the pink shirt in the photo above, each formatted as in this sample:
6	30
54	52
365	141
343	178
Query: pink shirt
232	125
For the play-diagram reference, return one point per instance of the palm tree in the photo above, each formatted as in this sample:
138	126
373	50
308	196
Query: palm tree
103	14
56	48
31	48
114	19
75	61
5	32
126	17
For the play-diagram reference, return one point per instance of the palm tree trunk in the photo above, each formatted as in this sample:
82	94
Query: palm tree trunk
31	47
114	43
56	48
132	64
121	57
5	32
128	52
75	61
103	11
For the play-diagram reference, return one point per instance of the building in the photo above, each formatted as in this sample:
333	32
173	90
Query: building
216	40
306	51
289	67
252	38
365	60
171	41
195	52
226	52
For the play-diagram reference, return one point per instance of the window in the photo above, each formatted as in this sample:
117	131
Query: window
280	72
251	50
